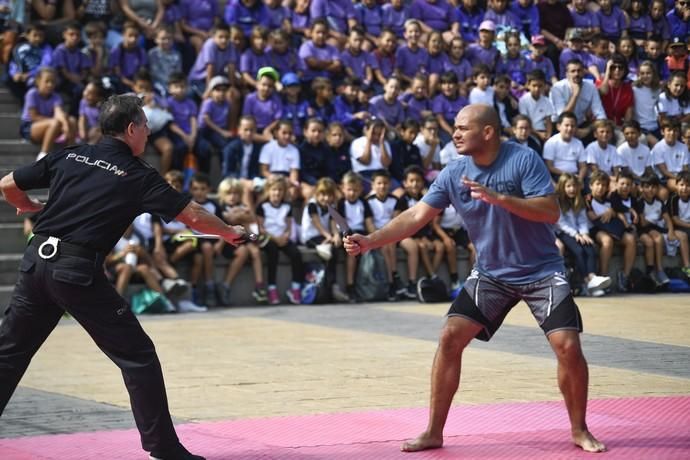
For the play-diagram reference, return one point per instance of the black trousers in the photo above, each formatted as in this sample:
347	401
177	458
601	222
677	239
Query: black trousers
293	254
47	288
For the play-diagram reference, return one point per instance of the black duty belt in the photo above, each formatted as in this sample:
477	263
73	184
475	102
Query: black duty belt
50	247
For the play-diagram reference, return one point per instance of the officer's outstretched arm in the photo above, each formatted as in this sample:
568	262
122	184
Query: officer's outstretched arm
198	218
17	197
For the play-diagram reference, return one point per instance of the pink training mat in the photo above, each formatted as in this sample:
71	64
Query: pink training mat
632	428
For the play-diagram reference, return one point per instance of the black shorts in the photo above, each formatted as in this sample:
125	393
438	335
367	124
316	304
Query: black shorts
459	235
649	227
228	251
487	302
25	130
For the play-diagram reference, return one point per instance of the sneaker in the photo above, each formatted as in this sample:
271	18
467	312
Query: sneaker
177	453
411	291
294	296
686	270
399	286
209	297
187	306
597	292
223	294
273	297
655	277
260	295
338	294
663	278
352	294
175	287
598	282
455	289
392	294
622	282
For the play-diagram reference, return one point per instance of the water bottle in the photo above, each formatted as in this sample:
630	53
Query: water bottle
131	257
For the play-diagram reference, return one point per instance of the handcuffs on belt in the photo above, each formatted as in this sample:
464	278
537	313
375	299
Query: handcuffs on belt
52	244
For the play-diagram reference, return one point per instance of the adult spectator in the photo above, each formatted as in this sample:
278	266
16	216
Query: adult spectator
556	20
577	95
53	15
616	92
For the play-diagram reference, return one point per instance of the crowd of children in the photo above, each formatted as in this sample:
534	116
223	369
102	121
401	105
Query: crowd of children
297	106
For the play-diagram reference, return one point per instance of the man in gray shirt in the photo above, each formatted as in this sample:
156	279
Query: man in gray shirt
577	95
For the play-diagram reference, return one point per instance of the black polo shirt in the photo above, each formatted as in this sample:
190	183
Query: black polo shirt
95	191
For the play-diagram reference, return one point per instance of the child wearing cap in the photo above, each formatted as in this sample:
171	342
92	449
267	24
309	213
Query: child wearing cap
574	50
295	108
677	58
264	104
254	57
538	60
484	50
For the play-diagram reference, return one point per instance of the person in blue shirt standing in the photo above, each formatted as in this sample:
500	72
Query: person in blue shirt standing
505	187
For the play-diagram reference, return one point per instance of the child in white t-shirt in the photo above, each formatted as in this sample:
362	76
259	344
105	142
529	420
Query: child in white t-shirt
563	152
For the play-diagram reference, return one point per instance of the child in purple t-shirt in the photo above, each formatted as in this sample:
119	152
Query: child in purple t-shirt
484	51
370	18
71	64
599	46
437	60
214	114
612	20
384	56
184	128
514	64
197	18
280	56
217	57
43	120
416	99
254	57
387	107
127	58
394	16
458	64
318	58
358	63
89	109
411	58
447	105
264	104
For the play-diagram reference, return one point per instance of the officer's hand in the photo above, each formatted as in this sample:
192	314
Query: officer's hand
31	207
237	235
356	244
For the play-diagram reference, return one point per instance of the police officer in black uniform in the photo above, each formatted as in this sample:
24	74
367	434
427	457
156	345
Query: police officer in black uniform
95	191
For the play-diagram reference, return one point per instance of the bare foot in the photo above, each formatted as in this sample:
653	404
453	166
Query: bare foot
422	442
587	442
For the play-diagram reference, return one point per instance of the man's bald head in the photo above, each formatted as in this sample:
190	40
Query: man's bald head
483	115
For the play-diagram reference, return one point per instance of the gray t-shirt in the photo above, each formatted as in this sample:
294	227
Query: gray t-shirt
509	248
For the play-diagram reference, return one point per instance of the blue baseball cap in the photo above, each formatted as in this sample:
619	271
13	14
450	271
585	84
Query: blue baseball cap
290	79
